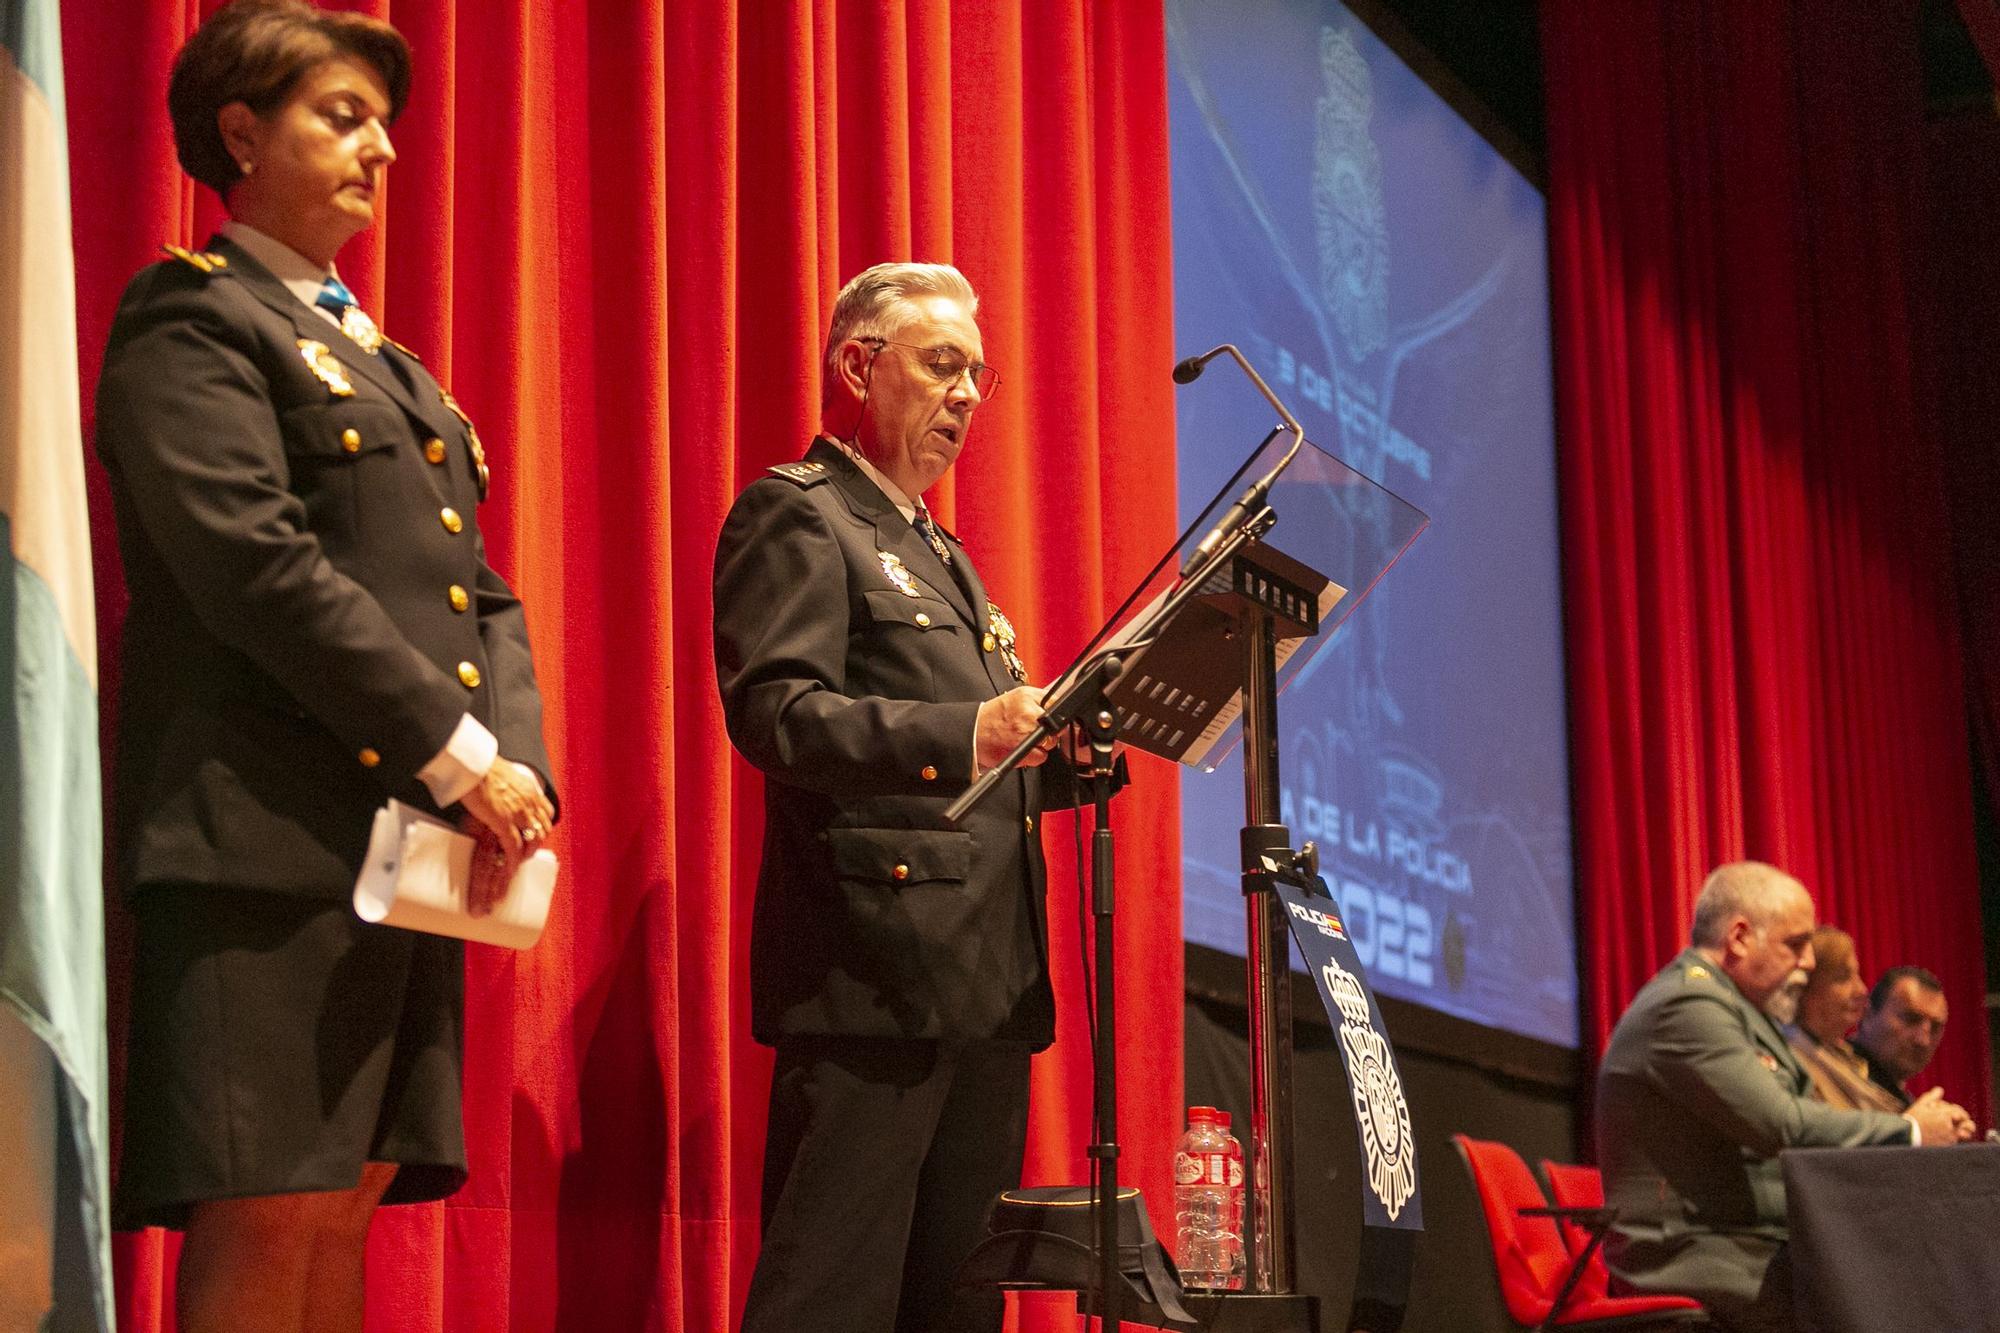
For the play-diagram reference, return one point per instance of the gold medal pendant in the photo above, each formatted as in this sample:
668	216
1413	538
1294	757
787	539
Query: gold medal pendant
472	438
354	322
1002	630
319	359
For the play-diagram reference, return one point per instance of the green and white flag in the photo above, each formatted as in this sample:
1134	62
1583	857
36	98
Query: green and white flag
51	817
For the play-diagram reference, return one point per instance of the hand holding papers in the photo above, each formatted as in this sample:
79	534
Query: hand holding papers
417	874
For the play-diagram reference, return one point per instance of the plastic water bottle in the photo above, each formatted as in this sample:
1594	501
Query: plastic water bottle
1208	1203
1236	1193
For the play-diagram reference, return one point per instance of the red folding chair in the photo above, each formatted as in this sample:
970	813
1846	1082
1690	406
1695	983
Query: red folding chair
1579	1187
1541	1281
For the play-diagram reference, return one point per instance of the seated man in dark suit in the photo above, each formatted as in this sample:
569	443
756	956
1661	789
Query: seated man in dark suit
1902	1028
1699	1091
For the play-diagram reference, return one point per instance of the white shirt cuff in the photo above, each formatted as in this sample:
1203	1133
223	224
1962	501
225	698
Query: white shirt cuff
464	761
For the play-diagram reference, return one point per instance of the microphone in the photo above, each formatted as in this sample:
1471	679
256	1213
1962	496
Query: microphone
1252	502
1188	371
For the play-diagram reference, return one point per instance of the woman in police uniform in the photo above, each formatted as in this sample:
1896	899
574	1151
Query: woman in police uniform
313	629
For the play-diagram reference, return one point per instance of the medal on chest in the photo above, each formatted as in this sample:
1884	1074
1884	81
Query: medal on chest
1002	631
326	367
899	574
354	322
472	438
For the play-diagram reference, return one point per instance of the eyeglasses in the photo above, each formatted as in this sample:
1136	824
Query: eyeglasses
947	363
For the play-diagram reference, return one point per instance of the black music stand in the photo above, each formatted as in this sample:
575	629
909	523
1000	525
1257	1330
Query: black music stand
1213	648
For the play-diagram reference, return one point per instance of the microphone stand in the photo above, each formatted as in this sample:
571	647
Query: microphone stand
1244	522
1085	693
1252	500
1090	680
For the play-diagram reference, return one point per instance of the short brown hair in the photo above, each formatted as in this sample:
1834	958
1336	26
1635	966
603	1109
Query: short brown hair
254	52
1832	944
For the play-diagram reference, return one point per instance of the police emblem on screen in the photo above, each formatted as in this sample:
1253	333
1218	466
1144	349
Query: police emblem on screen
1348	210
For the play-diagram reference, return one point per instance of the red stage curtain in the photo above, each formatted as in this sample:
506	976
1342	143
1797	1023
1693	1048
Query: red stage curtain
1763	635
615	231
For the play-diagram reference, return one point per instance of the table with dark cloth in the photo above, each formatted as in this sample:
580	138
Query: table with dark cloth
1895	1238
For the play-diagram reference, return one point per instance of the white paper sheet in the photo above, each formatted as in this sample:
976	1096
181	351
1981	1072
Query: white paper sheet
416	874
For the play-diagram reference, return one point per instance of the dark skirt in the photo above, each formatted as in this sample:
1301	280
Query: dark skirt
278	1043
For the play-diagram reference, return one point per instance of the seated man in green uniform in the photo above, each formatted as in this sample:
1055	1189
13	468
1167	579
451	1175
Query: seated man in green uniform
1699	1091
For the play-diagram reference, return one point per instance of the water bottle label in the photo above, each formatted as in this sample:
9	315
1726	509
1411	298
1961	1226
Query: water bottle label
1187	1169
1235	1172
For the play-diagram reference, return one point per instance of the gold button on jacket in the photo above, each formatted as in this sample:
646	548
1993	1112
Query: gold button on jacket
434	449
459	598
369	758
930	773
901	872
350	440
449	517
468	675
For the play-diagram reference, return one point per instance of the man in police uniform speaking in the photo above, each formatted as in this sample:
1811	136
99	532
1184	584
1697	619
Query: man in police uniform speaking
898	964
1698	1093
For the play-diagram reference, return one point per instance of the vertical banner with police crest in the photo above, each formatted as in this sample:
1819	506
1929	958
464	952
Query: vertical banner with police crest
1381	1113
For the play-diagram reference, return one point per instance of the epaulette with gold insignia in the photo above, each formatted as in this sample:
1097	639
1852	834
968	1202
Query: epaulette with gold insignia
207	261
801	473
1695	972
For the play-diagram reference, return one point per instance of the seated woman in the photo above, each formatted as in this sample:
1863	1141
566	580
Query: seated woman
1828	1010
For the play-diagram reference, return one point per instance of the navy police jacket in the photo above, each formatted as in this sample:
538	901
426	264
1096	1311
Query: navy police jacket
852	664
311	608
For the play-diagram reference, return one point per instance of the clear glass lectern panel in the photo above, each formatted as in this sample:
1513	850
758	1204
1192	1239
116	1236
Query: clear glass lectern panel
1329	518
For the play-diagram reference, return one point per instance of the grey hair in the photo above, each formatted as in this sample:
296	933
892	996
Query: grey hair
1749	888
868	306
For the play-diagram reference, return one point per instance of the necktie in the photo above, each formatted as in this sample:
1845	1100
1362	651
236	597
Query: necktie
354	322
334	296
928	531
